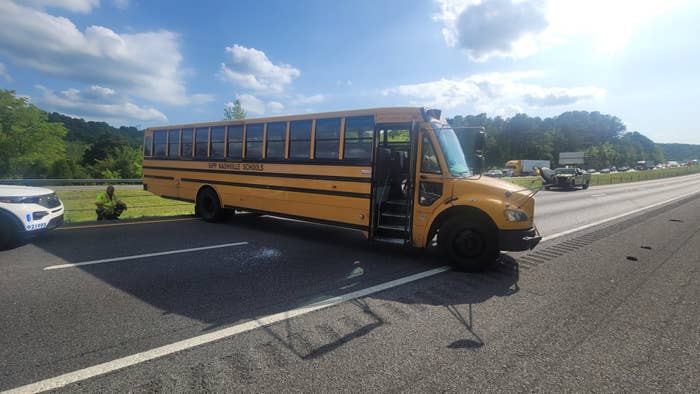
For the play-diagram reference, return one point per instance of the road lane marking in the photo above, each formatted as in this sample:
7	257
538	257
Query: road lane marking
124	224
599	195
573	230
140	256
114	365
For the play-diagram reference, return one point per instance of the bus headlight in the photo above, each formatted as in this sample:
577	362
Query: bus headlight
513	215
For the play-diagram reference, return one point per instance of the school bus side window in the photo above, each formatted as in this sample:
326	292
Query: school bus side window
235	142
359	133
173	144
300	139
201	142
429	163
327	138
254	141
186	143
276	136
147	147
216	144
160	140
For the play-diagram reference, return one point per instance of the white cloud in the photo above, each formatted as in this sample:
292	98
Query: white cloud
275	107
4	74
97	103
82	6
493	93
520	28
251	69
145	64
301	99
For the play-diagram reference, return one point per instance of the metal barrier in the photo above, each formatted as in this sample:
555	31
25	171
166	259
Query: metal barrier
69	182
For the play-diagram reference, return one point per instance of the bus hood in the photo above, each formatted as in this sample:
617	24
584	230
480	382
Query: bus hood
494	195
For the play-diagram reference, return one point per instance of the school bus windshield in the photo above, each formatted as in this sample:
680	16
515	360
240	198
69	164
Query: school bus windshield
452	150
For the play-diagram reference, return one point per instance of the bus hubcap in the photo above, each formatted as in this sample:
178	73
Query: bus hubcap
469	243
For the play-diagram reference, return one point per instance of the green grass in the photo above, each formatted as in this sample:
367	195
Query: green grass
80	205
620	177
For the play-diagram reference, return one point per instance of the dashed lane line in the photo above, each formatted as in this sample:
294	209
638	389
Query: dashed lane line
114	365
141	256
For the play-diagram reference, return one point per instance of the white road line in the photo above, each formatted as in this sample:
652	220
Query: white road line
140	256
573	230
599	195
111	366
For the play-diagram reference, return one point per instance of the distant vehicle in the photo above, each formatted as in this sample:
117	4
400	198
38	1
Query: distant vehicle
644	165
605	171
623	169
591	170
526	167
672	164
27	211
568	178
494	173
507	172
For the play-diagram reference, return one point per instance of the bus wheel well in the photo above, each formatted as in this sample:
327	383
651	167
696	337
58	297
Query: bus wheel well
208	204
470	212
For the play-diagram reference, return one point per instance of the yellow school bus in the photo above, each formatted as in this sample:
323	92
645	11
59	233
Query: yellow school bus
399	175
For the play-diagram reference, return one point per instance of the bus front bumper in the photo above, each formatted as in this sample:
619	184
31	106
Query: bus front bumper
519	240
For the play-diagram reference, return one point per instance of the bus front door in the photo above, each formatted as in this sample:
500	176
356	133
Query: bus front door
392	183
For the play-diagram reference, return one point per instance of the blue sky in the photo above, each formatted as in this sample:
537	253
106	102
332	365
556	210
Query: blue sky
143	63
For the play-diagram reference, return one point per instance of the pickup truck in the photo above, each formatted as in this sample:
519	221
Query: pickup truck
568	178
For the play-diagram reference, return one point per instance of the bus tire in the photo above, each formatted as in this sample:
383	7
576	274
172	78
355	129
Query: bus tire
585	186
209	206
471	245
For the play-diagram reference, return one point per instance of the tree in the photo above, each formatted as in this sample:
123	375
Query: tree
29	143
234	111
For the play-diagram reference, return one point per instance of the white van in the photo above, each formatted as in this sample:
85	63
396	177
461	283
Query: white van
25	211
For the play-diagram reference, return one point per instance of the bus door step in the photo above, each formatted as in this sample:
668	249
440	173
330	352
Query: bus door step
393	241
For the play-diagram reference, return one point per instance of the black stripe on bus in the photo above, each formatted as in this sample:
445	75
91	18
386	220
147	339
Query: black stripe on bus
282	188
159	177
304	218
267	174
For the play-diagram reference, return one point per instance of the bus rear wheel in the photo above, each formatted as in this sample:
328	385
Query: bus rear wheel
471	245
209	206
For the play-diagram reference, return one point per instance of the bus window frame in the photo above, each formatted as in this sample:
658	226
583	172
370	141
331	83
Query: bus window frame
223	142
261	141
182	143
227	156
337	140
373	140
285	130
177	155
157	133
148	142
309	140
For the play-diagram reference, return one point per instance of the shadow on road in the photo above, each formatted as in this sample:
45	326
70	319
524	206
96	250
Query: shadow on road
288	264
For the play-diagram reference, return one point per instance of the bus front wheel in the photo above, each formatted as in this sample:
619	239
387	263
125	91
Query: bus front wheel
209	206
471	245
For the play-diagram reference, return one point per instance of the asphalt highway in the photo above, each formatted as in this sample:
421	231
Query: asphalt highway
610	307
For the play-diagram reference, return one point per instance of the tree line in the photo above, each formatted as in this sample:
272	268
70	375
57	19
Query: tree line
38	144
603	138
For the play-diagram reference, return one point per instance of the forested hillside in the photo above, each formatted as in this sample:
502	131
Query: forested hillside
604	138
680	152
36	144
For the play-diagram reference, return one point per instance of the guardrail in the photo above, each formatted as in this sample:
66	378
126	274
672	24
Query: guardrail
70	182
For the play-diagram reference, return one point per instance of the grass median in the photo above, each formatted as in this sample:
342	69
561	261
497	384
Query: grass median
80	205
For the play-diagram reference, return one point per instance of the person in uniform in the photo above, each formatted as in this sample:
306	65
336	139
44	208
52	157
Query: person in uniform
108	206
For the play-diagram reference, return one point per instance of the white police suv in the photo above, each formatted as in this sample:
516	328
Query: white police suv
25	211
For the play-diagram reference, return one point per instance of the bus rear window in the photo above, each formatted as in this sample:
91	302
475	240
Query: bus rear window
359	132
147	146
254	141
300	139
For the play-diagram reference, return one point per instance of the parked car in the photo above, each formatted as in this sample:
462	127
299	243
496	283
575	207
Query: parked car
27	211
568	178
623	169
605	171
494	173
591	170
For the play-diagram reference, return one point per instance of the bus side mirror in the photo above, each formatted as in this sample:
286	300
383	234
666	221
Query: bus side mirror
479	148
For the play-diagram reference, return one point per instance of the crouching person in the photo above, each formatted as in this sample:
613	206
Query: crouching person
108	207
